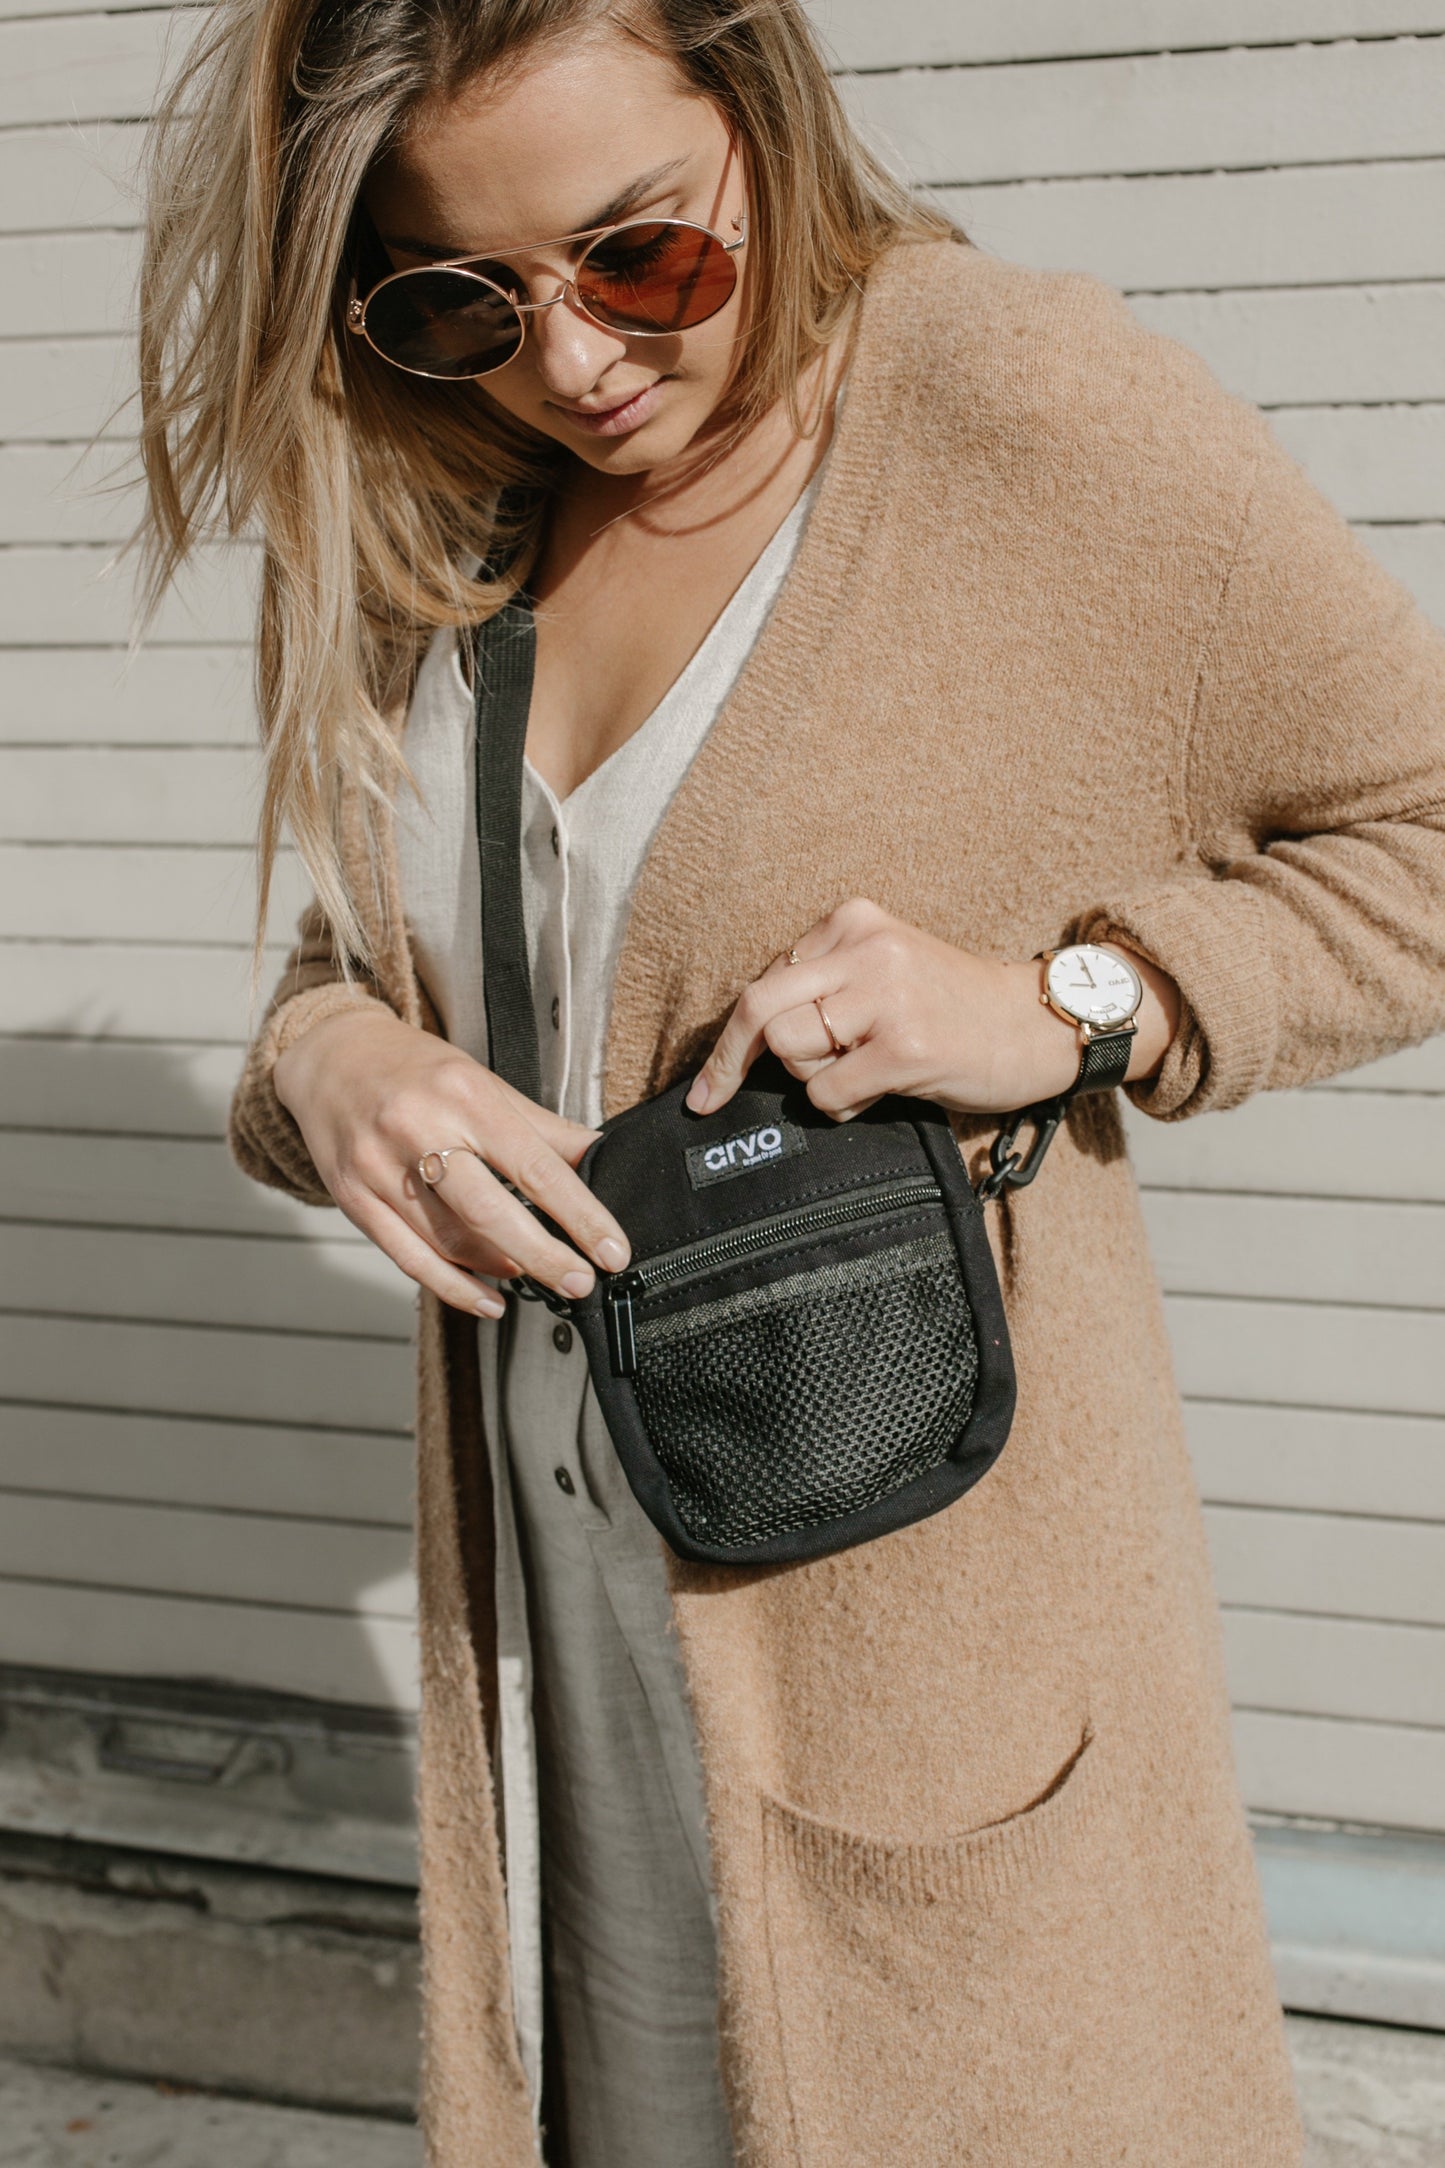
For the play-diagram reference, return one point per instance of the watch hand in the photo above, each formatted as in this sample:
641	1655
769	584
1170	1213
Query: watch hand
1088	974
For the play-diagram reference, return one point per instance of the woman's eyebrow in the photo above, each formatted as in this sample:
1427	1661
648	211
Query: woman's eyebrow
638	191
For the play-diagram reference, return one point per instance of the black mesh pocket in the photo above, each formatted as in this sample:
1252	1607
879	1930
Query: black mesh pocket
783	1407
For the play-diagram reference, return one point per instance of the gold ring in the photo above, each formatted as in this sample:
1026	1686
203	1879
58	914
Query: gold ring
437	1161
833	1040
794	957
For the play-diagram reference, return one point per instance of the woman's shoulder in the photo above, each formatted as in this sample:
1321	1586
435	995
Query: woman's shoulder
1056	360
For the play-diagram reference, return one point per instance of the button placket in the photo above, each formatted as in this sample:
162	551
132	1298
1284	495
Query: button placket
545	836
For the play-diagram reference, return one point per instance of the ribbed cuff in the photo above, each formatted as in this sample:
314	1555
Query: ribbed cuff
265	1142
1211	938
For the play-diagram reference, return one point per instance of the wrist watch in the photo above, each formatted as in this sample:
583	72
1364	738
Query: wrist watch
1099	992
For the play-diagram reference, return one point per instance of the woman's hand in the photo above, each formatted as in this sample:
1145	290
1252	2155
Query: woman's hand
371	1094
913	1015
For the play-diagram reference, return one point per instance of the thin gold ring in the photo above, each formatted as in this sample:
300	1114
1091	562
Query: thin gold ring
833	1040
438	1161
794	957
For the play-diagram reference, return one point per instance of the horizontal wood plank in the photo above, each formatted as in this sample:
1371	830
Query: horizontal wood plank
937	33
368	1661
1305	347
17	9
1416	557
256	1377
1161	232
99	794
1325	1458
62	493
1414	1069
235	1467
1316	345
66	893
93	1084
1309	1354
68	178
59	283
1383	463
345	1288
1334	1564
186	1183
83	596
1309	1249
1336	1667
1378	463
63	391
103	696
1323	1144
119	992
1333	1770
1159	113
89	67
253	1558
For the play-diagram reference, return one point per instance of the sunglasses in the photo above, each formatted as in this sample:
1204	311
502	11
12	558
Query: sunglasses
647	278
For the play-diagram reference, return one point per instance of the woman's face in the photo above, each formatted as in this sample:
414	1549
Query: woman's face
582	135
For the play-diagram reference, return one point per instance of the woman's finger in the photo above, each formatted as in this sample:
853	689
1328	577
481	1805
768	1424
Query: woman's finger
417	1258
493	1213
567	1138
782	987
424	1209
857	1079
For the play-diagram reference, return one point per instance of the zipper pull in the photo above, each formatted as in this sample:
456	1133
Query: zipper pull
621	1336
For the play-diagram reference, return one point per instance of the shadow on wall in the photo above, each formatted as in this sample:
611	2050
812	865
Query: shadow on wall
206	1597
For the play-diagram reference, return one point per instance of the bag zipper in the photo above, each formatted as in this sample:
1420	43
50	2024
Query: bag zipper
782	1231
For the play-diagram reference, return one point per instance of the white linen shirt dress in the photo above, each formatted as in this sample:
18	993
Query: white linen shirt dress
609	1898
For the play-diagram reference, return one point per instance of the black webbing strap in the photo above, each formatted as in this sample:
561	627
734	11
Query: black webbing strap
502	661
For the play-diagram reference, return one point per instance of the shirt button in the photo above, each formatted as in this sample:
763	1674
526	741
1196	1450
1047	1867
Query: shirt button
562	1339
556	842
556	1012
564	1482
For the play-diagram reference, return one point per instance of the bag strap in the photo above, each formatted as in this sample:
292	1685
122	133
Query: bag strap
503	659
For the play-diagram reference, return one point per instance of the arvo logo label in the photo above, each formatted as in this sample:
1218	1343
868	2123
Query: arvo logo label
740	1154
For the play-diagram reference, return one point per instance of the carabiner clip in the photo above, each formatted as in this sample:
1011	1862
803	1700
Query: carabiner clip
1012	1170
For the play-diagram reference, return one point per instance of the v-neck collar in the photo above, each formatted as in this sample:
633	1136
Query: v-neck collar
756	575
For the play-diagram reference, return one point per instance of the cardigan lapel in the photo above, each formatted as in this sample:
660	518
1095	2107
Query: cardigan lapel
657	1020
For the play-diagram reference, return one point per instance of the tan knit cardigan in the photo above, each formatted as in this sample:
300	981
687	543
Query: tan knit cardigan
1070	647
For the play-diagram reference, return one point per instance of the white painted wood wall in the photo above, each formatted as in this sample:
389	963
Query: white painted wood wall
203	1456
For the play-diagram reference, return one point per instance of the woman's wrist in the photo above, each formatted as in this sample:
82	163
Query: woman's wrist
1048	1045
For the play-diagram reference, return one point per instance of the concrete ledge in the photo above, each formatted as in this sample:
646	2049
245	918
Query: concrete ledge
1357	1922
287	1987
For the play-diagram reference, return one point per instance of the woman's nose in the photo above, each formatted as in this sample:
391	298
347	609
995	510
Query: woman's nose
571	351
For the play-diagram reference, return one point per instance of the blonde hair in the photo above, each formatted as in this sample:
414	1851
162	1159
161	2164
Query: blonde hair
368	488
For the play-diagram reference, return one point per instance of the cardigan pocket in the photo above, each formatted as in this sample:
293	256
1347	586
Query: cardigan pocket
981	1999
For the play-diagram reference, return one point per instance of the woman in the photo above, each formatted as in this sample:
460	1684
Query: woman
899	616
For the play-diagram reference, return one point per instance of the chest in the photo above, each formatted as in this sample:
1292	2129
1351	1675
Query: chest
621	612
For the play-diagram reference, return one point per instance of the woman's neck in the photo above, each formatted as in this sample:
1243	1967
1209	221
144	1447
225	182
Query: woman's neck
723	472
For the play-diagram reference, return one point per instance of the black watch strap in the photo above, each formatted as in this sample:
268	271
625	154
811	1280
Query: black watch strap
1104	1062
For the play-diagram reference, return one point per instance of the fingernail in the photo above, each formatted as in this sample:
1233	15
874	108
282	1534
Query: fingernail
611	1253
698	1097
577	1284
491	1306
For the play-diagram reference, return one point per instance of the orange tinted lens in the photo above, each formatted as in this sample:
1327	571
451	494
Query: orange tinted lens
655	276
443	323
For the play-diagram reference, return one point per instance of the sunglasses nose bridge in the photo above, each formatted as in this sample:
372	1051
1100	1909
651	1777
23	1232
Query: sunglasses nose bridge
538	308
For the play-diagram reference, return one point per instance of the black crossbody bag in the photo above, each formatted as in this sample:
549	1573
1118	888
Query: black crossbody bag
809	1348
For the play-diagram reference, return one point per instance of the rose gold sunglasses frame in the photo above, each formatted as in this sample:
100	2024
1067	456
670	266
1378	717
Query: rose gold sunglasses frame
356	307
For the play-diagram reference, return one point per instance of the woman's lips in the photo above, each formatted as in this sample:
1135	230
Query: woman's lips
617	421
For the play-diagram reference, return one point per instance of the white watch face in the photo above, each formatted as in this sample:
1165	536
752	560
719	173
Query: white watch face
1094	986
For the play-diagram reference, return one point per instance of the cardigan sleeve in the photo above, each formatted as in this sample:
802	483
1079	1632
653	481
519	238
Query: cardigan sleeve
265	1141
1306	925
